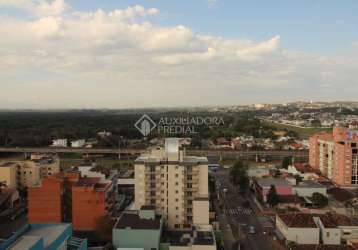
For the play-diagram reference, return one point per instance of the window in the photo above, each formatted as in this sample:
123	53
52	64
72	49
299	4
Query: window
176	175
176	183
176	208
176	191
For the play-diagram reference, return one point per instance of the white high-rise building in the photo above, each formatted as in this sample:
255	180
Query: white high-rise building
175	184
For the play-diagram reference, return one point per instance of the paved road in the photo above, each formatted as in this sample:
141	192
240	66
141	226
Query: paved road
240	218
213	152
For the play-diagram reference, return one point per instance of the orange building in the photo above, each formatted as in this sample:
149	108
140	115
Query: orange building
45	202
66	197
336	156
90	200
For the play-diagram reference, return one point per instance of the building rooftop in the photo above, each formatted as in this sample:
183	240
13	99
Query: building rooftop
309	184
340	194
134	221
267	182
298	220
307	220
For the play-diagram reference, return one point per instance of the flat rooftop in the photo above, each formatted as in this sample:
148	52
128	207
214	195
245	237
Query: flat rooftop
133	221
267	182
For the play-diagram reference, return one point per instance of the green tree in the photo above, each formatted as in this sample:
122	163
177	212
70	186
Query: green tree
238	176
286	162
272	197
319	200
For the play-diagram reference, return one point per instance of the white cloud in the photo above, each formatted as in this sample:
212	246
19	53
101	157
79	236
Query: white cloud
39	7
211	3
118	58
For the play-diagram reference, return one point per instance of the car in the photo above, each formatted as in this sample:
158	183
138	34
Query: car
251	230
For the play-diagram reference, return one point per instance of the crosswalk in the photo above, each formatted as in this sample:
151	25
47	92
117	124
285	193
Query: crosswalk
238	211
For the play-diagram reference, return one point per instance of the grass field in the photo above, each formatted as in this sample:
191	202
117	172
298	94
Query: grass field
302	132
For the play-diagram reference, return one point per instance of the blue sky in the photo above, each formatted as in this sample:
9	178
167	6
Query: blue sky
231	52
320	26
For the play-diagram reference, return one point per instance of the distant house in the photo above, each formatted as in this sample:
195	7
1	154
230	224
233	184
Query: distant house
78	143
62	143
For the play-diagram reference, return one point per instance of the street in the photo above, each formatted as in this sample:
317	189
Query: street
241	218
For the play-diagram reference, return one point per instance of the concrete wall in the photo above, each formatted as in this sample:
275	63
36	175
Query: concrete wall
8	175
298	235
201	212
127	238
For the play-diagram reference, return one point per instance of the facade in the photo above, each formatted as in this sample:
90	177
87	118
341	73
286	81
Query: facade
138	229
8	172
44	236
68	197
45	202
174	183
91	199
336	156
326	229
19	174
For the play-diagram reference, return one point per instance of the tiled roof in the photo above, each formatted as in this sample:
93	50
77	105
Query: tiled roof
298	220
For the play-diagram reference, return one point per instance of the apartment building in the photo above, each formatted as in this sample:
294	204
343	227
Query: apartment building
336	156
176	184
70	197
18	174
91	199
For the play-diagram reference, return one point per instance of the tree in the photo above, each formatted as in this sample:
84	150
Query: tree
272	197
238	176
319	200
286	162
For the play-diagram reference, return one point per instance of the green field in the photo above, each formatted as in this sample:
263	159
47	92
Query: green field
303	133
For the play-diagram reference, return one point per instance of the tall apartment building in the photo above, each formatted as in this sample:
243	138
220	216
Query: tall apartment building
336	156
174	183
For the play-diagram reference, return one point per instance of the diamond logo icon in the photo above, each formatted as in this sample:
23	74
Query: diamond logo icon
145	125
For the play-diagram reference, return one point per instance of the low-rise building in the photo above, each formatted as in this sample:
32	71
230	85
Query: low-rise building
78	143
200	237
62	143
263	186
308	188
138	229
328	229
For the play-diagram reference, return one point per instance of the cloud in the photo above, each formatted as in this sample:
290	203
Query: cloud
211	3
63	57
38	8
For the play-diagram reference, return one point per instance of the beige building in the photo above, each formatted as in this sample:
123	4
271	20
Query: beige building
176	184
8	174
17	174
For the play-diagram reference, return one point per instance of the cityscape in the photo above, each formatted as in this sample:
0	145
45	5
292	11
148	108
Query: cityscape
169	125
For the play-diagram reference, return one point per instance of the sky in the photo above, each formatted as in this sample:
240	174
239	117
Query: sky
160	53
